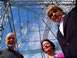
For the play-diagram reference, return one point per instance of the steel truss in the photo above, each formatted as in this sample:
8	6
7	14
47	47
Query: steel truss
7	16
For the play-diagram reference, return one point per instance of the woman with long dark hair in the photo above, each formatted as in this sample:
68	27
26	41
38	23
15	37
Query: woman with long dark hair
49	48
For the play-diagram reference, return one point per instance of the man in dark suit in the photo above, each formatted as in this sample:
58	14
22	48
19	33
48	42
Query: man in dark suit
10	52
69	40
67	32
70	32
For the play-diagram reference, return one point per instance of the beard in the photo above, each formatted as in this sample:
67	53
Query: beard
10	46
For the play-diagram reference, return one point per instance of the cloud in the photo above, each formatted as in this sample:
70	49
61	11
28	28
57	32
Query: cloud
26	56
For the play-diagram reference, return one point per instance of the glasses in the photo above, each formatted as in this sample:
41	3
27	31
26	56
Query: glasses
46	44
53	11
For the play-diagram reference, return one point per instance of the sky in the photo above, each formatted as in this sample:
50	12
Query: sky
31	26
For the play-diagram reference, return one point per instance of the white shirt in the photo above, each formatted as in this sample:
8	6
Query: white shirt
61	26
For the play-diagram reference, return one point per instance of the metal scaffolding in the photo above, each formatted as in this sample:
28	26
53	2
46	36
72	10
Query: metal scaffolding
22	16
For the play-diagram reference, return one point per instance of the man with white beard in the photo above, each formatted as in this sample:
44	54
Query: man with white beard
10	42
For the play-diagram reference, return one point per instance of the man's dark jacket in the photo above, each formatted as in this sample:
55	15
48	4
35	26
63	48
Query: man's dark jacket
68	42
10	54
